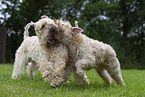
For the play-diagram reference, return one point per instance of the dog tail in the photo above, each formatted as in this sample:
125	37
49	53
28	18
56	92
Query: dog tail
26	32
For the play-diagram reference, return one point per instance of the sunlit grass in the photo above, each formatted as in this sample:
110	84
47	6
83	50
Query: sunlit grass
25	87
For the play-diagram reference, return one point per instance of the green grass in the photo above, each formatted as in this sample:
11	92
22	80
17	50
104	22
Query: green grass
26	87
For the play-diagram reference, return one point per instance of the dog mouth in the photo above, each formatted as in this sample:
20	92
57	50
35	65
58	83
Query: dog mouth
51	42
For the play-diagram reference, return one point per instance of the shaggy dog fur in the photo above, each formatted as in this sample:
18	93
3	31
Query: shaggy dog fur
42	52
87	53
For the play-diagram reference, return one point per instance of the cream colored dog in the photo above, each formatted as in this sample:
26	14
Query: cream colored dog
87	53
42	51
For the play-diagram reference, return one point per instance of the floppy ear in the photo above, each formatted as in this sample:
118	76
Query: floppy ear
76	30
34	25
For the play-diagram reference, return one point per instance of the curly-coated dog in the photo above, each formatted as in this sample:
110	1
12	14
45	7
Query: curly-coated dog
87	53
42	52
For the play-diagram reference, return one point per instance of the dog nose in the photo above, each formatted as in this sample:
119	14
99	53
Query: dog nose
53	29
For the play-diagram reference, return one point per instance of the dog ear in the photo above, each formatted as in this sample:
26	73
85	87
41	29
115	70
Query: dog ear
76	30
76	23
44	16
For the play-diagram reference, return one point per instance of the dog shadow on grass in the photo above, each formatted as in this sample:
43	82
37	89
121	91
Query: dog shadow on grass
73	87
38	82
84	87
45	87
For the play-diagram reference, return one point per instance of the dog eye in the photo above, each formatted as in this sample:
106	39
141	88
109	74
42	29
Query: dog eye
53	29
42	26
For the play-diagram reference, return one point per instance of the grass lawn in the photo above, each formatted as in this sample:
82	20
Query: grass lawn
26	87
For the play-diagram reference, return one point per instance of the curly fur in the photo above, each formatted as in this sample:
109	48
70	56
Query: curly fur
39	53
87	53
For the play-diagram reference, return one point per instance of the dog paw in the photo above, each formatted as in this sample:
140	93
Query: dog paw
65	82
87	82
45	73
54	86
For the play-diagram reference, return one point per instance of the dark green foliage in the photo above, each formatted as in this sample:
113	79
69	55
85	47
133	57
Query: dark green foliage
121	23
132	18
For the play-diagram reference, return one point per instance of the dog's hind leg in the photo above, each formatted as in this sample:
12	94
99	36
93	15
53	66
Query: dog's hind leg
113	69
19	65
104	75
31	68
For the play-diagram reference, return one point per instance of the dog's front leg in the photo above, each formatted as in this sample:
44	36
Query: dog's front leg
58	72
80	75
46	68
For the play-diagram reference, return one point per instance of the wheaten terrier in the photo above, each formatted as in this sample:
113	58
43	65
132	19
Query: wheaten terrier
87	53
42	51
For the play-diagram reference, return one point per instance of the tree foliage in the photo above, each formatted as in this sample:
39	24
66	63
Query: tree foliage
117	22
132	20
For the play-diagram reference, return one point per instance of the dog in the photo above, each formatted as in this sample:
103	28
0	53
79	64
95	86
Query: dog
87	53
41	52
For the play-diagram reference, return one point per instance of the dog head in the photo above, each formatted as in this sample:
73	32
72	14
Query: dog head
66	32
45	29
